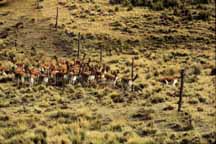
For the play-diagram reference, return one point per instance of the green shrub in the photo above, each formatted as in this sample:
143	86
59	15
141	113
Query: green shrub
197	70
141	2
116	9
203	15
117	128
130	7
192	79
193	101
185	13
203	99
154	4
126	3
157	5
171	3
201	1
157	99
10	132
147	131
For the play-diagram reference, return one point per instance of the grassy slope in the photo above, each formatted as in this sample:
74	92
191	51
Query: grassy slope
108	115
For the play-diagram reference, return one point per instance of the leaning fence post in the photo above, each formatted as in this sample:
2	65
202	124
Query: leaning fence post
181	90
132	74
79	46
57	15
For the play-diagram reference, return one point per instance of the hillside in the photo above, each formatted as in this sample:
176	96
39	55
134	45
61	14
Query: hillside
162	36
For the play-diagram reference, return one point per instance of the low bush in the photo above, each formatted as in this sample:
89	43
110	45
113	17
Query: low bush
154	4
196	69
157	6
202	15
157	99
200	1
160	4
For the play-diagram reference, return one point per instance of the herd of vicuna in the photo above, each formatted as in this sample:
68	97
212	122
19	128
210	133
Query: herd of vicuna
60	72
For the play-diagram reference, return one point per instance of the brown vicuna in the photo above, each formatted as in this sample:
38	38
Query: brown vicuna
169	80
20	74
111	78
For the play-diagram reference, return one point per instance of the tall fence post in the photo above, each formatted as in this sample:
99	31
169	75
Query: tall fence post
101	54
57	16
79	46
37	4
181	90
16	34
132	74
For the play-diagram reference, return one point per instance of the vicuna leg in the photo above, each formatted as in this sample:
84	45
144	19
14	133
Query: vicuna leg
31	81
175	82
166	81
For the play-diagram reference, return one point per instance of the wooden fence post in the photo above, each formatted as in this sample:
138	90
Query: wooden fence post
57	15
79	46
101	54
16	34
37	4
132	74
181	90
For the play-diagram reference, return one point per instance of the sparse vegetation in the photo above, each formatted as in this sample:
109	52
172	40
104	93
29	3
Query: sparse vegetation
163	36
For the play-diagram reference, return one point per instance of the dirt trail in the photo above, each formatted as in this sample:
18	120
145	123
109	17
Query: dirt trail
37	34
